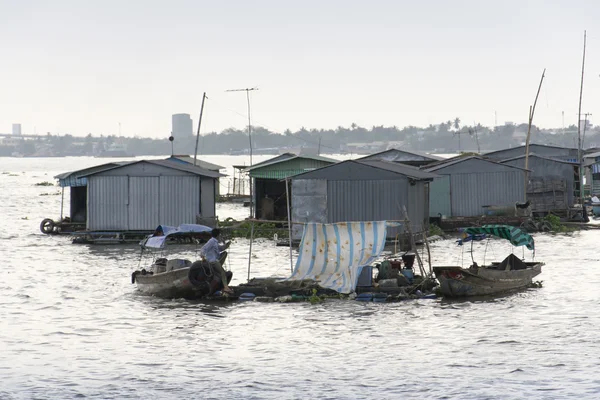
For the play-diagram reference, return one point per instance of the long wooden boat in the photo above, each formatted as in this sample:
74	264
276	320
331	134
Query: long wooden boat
177	277
498	277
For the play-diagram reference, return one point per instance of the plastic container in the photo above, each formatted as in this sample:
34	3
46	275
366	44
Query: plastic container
247	296
408	274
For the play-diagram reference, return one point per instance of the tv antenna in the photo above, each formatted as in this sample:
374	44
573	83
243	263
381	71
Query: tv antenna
247	90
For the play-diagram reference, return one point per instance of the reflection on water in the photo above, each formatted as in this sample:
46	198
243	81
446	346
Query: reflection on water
73	325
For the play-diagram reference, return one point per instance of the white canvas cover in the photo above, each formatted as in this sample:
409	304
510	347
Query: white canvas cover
334	254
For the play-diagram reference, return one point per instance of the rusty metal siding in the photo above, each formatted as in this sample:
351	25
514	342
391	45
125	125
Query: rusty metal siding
368	200
179	199
108	199
144	202
472	191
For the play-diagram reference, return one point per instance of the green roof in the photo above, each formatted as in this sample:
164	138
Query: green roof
281	168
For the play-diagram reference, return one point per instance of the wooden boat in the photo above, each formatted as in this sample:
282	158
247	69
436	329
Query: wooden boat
177	277
498	277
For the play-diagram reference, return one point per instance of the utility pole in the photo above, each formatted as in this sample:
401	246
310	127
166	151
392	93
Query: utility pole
585	122
580	158
531	112
248	90
199	123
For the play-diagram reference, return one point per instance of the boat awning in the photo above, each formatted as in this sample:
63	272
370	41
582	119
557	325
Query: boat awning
334	254
514	235
158	239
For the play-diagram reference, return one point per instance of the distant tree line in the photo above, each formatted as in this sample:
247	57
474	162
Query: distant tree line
446	137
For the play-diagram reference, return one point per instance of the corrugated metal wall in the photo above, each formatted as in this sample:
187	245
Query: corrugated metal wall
470	192
547	168
439	197
309	203
375	201
108	198
417	207
179	199
143	212
207	198
142	203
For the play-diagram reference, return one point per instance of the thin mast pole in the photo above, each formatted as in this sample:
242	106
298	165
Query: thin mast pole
531	112
579	158
287	195
250	143
199	123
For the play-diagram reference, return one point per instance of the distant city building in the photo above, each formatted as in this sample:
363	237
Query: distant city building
181	126
16	129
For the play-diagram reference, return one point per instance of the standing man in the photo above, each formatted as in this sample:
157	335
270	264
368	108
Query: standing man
211	251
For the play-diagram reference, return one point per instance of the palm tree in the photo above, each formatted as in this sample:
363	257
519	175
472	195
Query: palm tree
457	123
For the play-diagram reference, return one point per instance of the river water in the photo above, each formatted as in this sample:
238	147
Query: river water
73	325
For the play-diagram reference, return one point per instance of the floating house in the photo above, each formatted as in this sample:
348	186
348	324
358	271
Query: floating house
413	158
591	163
269	183
553	184
561	153
358	190
140	195
472	186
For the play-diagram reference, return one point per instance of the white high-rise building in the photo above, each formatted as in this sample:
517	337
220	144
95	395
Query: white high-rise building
181	126
16	129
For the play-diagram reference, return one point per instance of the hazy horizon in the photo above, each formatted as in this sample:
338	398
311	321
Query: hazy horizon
79	68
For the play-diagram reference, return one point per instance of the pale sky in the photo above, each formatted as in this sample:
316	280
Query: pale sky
79	67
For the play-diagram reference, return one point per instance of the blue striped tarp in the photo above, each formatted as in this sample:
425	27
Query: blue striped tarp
334	254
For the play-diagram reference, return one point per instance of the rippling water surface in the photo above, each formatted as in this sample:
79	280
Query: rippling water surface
73	325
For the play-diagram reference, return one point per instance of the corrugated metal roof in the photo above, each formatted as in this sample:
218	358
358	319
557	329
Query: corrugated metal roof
395	168
279	174
558	160
199	163
399	152
530	145
287	157
76	178
402	169
169	164
457	160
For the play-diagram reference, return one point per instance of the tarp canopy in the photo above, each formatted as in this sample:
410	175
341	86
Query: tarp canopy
334	254
514	235
158	239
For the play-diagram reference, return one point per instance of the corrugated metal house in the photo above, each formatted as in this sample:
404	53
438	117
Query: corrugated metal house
561	153
269	181
140	195
472	186
591	162
357	190
402	156
553	184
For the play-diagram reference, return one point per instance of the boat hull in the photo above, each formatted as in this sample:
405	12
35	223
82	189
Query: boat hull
484	281
180	282
171	284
